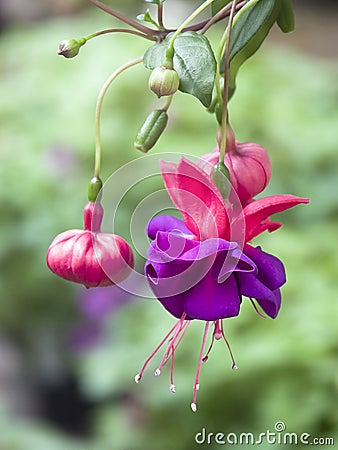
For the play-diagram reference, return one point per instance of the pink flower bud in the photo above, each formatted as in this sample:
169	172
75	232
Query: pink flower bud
248	164
250	169
89	256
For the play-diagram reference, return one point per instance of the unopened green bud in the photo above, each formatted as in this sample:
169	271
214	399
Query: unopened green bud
221	177
164	81
286	18
94	188
151	130
70	47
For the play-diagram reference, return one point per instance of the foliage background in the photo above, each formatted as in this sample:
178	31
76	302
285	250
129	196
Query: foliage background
66	377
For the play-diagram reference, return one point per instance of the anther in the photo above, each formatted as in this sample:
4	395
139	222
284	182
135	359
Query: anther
193	407
173	388
157	372
137	378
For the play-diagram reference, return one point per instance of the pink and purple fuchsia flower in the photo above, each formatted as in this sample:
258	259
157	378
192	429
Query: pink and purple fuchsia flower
201	267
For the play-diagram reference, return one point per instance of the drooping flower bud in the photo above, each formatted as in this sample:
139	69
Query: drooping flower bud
151	130
250	169
248	164
89	256
164	81
70	47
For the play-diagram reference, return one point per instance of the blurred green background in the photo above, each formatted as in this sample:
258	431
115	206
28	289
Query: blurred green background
68	356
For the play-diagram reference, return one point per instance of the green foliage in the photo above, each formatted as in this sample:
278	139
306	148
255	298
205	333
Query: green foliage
146	17
194	61
249	30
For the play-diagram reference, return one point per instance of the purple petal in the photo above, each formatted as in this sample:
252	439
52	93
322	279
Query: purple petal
166	223
210	300
271	308
270	269
263	286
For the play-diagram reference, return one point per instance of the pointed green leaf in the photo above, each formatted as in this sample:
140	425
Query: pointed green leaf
250	28
194	61
217	5
146	17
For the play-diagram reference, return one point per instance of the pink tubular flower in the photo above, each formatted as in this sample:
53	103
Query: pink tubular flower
248	164
89	256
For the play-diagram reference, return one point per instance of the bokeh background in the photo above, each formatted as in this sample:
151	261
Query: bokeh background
68	355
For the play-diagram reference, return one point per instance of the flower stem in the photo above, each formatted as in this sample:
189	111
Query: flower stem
100	98
192	16
160	16
222	13
120	30
121	17
226	82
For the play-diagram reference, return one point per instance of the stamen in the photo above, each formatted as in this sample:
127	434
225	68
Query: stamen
171	345
206	356
218	330
257	310
179	338
139	375
137	378
234	365
172	385
196	384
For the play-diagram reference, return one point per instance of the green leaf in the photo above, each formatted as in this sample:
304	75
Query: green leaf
217	5
249	30
286	18
146	17
194	61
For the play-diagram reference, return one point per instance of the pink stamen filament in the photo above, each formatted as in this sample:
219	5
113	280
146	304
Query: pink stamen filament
206	356
171	345
234	365
182	333
257	310
140	374
172	384
200	360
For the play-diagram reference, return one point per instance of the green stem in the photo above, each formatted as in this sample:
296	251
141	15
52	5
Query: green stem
120	30
168	103
226	83
192	16
218	67
100	98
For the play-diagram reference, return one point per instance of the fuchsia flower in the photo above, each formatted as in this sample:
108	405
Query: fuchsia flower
89	256
248	164
200	268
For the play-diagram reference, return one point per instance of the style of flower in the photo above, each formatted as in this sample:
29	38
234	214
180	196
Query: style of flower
89	256
200	268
